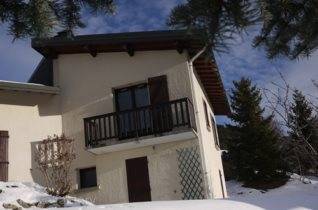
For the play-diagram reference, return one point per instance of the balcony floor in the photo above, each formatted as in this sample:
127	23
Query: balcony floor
143	142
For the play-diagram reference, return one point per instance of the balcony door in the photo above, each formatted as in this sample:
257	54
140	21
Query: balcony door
134	117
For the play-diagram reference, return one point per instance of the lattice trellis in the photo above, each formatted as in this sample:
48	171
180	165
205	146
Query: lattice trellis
190	173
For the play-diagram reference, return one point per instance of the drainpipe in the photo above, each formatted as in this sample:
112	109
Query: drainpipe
197	55
208	191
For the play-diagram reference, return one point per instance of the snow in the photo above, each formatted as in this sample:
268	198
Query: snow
31	193
295	195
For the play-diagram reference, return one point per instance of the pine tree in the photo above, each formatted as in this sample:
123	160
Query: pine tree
253	148
303	141
39	18
218	21
288	28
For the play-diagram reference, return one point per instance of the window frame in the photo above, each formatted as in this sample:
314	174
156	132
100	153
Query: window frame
80	171
132	89
221	182
207	121
215	132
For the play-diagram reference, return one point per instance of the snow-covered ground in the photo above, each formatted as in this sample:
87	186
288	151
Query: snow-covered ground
32	193
295	195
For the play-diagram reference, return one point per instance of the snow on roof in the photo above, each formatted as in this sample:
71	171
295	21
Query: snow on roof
28	87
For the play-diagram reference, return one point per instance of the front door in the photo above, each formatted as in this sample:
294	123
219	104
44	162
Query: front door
138	179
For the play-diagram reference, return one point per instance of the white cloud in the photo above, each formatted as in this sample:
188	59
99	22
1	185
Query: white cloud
299	75
302	73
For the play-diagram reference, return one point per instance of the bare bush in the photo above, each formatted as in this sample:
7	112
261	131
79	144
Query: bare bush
297	148
54	157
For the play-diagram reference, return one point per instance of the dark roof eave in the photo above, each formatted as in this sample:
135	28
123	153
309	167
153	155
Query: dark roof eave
115	38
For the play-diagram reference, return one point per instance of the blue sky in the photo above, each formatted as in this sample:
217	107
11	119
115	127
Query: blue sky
18	59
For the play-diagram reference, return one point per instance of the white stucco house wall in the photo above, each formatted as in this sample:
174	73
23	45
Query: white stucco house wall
140	109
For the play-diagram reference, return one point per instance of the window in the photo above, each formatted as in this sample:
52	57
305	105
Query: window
215	134
87	177
206	114
221	183
131	98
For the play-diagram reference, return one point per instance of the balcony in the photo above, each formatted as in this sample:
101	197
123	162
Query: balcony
144	126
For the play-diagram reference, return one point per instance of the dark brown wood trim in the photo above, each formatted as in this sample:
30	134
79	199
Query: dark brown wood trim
4	162
4	134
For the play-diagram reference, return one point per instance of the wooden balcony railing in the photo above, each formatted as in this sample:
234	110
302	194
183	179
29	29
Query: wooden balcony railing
157	119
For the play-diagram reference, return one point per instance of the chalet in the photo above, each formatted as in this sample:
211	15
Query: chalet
141	107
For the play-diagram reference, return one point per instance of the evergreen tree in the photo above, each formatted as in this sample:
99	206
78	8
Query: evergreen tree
302	118
39	18
303	141
288	28
218	21
225	137
253	147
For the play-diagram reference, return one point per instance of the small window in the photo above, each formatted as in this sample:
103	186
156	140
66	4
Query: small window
215	134
88	177
206	114
221	183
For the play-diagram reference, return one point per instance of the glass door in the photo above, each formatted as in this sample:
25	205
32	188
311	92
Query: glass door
134	116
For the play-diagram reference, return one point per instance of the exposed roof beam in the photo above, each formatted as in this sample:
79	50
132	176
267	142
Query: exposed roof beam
91	50
50	53
180	47
129	49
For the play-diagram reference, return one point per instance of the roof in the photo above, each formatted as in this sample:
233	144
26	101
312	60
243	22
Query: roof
28	87
43	74
130	42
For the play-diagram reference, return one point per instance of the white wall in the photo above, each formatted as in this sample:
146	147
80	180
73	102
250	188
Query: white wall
212	161
163	174
29	118
87	84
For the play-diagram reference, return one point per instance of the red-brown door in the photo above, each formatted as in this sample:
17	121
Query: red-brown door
4	156
138	179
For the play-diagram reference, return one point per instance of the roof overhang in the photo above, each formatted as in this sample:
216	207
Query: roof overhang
28	87
179	40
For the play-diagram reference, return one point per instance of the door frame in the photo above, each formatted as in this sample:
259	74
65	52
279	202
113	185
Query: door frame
130	199
133	99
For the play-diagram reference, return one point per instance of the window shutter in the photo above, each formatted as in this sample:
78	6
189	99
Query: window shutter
158	89
4	156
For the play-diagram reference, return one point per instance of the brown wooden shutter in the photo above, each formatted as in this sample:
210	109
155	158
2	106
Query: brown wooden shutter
4	156
159	93
158	89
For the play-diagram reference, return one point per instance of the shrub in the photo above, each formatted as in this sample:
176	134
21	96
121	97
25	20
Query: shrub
54	156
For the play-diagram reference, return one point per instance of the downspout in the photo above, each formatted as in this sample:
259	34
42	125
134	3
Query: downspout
197	55
208	191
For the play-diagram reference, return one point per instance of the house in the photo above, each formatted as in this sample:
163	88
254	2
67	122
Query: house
141	107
